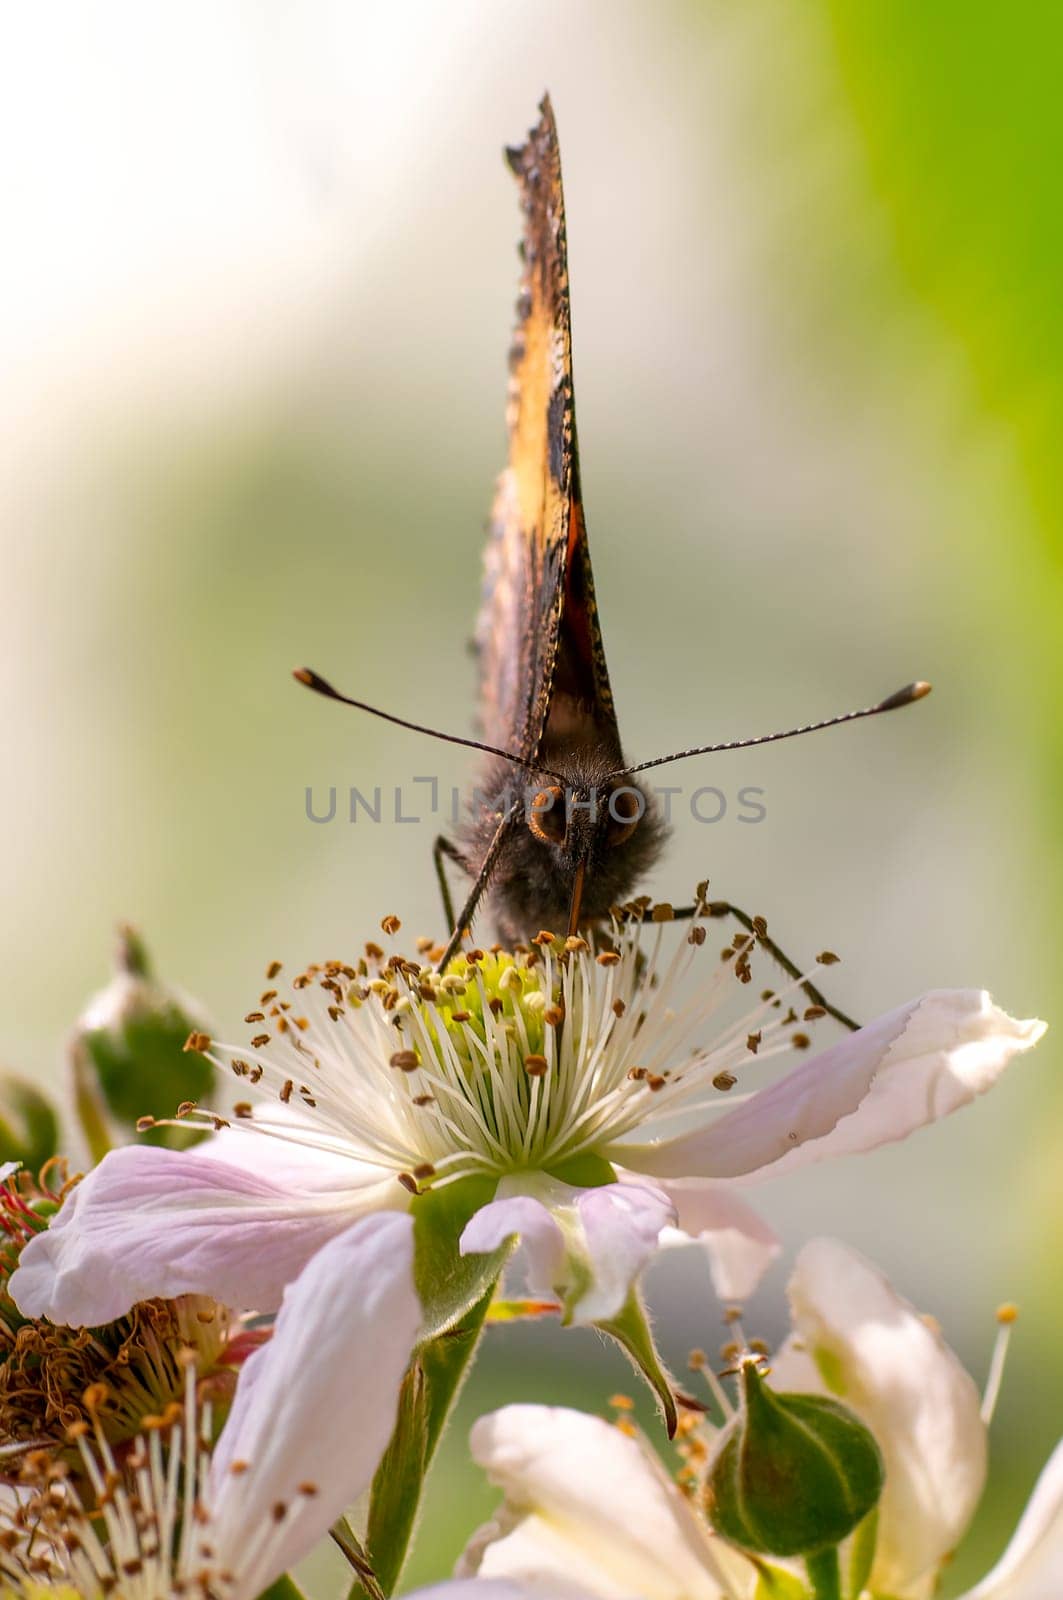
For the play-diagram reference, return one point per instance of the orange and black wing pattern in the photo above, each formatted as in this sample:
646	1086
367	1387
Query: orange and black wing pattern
543	677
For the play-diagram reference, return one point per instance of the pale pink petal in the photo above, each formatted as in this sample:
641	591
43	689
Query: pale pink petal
1031	1568
911	1067
541	1587
857	1339
739	1244
588	1503
588	1246
149	1221
316	1405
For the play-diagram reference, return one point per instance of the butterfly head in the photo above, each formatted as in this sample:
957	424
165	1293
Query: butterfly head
582	845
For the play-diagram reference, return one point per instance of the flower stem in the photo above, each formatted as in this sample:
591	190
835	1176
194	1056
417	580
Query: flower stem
429	1392
824	1574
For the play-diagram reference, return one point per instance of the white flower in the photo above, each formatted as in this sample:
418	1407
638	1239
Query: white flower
314	1408
553	1077
587	1504
591	1505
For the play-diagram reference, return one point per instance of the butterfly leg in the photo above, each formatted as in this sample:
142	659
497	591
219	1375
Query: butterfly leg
754	925
445	847
476	893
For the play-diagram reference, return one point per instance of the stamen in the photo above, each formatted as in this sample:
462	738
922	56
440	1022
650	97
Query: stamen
1007	1315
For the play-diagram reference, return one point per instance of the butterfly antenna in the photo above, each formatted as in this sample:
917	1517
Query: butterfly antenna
320	685
893	702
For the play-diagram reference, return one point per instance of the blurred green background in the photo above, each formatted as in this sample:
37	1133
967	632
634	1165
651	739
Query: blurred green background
257	295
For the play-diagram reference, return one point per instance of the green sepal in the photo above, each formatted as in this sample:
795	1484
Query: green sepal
132	1061
585	1171
450	1284
29	1124
631	1330
862	1554
283	1588
428	1394
773	1583
141	1069
396	1496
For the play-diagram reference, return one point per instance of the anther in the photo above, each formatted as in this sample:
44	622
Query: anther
608	958
535	1066
409	1182
544	937
813	1013
255	1016
800	1041
662	912
827	958
696	935
390	924
144	1123
405	1060
724	1081
197	1041
259	1040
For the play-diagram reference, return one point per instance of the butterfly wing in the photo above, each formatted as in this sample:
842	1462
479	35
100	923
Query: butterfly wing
543	677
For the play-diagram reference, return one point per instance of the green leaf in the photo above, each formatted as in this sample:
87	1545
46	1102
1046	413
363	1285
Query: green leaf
632	1332
451	1284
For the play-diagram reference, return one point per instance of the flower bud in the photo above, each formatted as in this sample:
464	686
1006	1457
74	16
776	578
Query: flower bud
128	1058
29	1126
793	1474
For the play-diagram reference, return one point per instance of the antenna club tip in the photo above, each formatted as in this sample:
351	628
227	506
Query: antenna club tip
904	697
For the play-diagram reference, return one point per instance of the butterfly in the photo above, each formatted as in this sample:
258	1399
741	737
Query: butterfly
561	829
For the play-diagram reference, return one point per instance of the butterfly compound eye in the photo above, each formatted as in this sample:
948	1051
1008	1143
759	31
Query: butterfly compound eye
546	817
626	808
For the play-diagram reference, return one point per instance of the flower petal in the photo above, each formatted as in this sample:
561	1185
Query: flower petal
911	1067
497	1589
866	1345
316	1405
588	1246
739	1244
586	1503
1031	1568
149	1221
